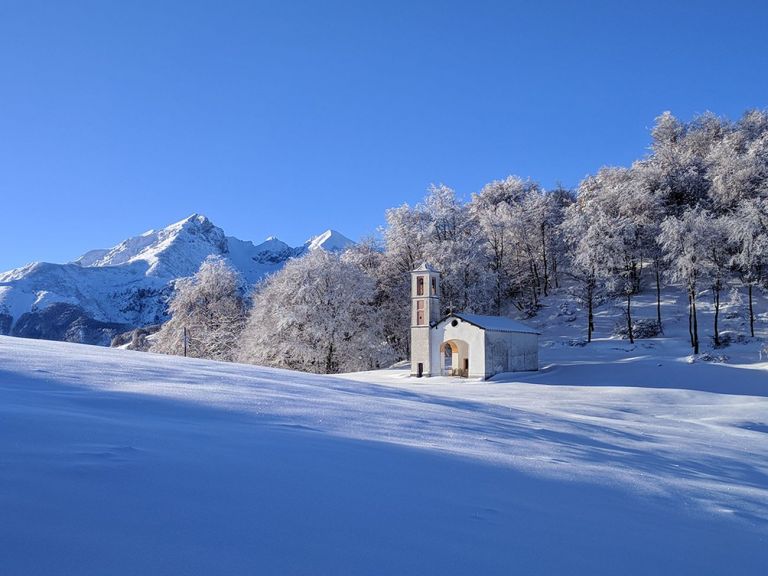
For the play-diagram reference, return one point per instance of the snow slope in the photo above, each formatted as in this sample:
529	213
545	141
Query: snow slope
612	462
128	285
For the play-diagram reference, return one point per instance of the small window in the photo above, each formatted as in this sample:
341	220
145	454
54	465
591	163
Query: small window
455	323
434	287
420	286
420	318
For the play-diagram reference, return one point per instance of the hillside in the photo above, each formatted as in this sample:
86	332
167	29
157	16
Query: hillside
105	292
611	461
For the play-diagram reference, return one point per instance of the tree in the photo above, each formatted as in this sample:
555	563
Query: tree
684	242
679	162
584	257
748	230
209	310
492	209
618	211
451	245
404	243
517	228
317	314
716	261
644	173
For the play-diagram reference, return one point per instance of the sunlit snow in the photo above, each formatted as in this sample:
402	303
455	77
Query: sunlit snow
620	462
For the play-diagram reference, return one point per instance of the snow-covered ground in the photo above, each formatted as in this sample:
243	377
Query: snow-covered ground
619	460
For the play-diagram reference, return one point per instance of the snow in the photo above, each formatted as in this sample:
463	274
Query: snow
173	252
329	240
617	459
91	257
496	323
102	292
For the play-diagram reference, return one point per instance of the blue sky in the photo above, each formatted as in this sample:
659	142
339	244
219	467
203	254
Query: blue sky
288	118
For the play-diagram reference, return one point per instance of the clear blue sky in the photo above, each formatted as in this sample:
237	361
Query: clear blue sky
287	118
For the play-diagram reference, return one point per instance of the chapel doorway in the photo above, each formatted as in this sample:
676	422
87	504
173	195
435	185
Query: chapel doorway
455	358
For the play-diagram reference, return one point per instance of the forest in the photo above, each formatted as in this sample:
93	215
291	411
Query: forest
693	213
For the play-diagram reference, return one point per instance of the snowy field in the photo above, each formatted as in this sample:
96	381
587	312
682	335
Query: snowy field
616	462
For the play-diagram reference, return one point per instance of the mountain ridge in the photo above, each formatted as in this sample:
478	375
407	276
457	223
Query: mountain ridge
105	291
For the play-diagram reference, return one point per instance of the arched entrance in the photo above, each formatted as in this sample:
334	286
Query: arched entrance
454	355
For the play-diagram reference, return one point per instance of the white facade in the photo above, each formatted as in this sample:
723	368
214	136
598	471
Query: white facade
467	345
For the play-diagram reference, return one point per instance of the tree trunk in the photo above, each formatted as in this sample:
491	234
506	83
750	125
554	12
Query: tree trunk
717	314
629	319
751	314
535	274
544	256
590	317
658	298
690	318
695	323
329	359
498	294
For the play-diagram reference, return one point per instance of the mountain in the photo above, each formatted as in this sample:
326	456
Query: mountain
329	240
108	291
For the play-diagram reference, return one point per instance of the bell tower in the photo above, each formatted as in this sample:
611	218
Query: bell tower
425	313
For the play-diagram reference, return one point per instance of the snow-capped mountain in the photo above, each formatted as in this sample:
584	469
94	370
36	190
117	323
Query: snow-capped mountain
329	240
104	292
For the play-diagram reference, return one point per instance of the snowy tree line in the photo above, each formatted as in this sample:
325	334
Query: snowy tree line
693	213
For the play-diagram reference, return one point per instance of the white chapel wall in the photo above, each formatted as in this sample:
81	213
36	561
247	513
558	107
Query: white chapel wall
466	332
511	352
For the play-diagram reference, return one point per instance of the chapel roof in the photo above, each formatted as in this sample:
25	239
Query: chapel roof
496	323
425	267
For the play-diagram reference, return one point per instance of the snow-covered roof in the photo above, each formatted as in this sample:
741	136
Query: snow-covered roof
496	323
425	267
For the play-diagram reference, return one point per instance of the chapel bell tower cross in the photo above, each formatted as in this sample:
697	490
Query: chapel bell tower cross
425	313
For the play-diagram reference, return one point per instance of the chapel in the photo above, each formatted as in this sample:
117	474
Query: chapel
467	345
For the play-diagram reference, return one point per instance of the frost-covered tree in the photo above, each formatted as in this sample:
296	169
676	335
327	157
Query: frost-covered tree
209	309
679	162
451	245
645	179
561	199
716	257
493	221
517	224
404	239
493	211
318	314
684	241
584	258
748	231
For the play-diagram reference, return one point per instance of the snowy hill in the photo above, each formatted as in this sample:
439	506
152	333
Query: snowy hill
104	292
616	462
